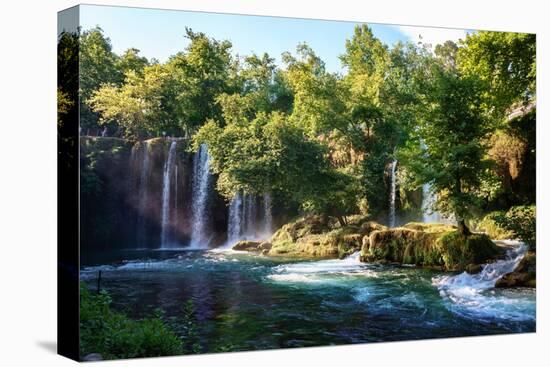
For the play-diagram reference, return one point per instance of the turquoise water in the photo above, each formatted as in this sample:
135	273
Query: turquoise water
248	302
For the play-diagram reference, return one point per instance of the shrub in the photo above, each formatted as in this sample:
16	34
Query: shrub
114	335
521	220
493	229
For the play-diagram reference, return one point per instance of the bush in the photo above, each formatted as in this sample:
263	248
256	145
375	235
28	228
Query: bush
114	335
521	220
492	228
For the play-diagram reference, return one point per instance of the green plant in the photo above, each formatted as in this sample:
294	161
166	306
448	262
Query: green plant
114	335
521	220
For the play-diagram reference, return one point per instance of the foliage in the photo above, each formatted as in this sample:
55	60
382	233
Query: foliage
450	145
492	228
113	335
521	220
506	62
273	154
321	140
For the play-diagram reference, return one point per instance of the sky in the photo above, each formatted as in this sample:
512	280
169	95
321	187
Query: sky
160	33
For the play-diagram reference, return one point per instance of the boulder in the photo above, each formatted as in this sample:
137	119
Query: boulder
524	275
244	245
429	245
314	236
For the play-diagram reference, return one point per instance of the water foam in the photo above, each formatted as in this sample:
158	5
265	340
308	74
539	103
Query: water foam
474	294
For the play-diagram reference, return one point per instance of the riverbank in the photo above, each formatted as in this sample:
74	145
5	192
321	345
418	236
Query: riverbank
433	246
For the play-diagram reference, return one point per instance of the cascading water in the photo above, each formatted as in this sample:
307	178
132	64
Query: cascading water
392	194
249	217
429	215
243	221
200	237
471	294
143	196
268	216
234	223
165	214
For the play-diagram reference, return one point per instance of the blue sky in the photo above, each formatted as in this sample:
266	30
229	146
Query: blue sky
160	33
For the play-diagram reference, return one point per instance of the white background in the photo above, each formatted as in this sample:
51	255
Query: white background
28	182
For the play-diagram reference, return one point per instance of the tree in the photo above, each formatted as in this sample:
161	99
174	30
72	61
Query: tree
452	131
272	154
506	62
131	61
204	71
318	96
143	106
97	67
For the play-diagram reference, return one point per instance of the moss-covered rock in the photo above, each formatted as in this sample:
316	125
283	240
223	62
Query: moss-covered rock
428	245
314	236
252	246
460	252
524	275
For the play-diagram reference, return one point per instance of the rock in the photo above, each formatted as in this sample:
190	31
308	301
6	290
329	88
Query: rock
429	245
523	276
265	246
92	357
252	246
368	227
317	237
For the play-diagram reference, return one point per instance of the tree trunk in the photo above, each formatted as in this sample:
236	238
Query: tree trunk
463	228
342	221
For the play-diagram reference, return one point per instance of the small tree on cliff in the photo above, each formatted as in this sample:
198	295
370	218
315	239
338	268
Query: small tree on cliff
450	150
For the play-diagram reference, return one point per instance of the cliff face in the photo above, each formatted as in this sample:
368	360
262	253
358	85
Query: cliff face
128	193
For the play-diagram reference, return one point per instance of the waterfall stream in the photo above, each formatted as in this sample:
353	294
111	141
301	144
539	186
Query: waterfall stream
165	214
143	196
392	194
200	236
234	222
244	218
268	216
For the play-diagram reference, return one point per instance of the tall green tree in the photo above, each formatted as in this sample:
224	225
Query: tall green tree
450	150
97	67
204	71
130	60
506	62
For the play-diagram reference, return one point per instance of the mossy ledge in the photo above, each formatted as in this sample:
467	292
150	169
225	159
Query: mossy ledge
319	237
430	245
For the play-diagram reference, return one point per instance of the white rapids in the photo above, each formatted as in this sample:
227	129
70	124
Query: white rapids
474	295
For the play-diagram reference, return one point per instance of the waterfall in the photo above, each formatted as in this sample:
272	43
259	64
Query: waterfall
250	217
143	196
200	237
243	219
429	214
234	223
392	194
168	166
268	217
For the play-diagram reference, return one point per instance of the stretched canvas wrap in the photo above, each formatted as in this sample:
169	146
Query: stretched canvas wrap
237	183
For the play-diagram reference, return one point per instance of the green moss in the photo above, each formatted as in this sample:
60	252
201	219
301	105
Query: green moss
459	251
314	236
433	245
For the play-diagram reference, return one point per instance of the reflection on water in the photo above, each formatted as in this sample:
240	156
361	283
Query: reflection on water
247	302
